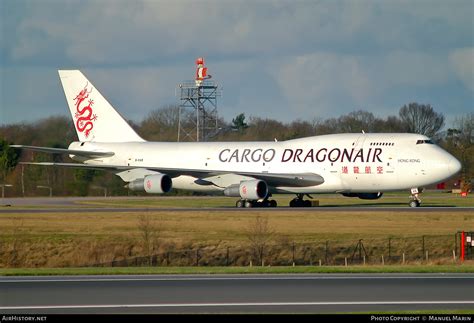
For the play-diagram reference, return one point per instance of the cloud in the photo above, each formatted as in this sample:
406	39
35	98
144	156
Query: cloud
462	60
141	32
30	93
135	91
316	82
280	59
416	68
328	83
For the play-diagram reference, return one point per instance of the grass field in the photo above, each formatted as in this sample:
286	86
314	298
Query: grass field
211	227
80	239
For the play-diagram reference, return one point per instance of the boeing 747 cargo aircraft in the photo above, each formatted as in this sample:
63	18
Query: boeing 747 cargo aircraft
363	165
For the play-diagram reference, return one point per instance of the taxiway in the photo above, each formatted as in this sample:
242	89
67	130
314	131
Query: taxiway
318	293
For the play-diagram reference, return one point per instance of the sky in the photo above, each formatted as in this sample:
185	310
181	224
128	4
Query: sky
284	60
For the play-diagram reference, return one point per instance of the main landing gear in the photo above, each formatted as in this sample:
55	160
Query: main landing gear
415	198
249	203
299	202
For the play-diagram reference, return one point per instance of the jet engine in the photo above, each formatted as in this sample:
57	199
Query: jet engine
364	196
156	183
248	190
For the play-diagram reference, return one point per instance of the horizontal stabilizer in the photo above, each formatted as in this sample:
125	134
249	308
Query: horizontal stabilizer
85	153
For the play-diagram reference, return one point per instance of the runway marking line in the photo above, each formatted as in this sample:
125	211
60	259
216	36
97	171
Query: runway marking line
234	304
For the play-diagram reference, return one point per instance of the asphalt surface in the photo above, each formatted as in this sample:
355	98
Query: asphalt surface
229	209
317	293
71	205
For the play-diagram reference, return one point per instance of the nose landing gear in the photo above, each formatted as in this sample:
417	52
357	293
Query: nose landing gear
415	198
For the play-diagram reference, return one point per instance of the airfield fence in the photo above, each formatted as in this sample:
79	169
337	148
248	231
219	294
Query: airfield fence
391	250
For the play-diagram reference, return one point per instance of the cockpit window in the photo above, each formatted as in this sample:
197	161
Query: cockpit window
429	141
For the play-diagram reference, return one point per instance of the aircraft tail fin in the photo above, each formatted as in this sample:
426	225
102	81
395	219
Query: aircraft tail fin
94	117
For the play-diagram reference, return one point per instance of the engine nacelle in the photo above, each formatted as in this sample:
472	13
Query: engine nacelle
248	190
365	196
156	184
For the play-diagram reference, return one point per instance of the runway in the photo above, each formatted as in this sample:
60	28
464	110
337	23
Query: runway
73	205
318	293
230	209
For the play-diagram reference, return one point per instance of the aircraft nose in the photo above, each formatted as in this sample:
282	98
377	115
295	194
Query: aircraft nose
454	165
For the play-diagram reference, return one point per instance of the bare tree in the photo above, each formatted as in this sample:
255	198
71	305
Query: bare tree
421	119
357	121
391	124
259	234
299	129
264	129
161	124
150	233
460	142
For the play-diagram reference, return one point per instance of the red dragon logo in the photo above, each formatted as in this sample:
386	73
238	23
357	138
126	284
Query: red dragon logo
85	117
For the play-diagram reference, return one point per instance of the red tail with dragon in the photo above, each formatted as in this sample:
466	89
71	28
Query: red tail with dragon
85	117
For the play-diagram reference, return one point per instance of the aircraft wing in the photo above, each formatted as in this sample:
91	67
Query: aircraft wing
224	179
290	180
85	153
208	177
77	165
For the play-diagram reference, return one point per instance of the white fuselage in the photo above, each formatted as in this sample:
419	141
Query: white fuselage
352	163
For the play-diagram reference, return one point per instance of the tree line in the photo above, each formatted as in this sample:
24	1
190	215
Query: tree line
162	125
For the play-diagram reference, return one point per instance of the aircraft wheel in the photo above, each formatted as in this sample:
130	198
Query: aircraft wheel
307	203
296	202
414	203
264	203
248	204
273	203
239	203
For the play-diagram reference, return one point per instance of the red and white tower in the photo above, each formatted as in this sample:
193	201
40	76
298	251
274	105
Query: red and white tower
198	97
201	71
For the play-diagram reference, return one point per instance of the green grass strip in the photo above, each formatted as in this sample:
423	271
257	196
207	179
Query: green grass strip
234	270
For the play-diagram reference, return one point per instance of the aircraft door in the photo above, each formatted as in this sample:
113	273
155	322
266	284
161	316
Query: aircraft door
358	169
360	142
390	165
352	174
